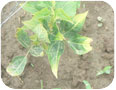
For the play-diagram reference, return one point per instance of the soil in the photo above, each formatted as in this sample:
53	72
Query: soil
73	69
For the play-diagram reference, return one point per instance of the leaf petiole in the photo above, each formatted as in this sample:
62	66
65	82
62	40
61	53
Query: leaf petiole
28	51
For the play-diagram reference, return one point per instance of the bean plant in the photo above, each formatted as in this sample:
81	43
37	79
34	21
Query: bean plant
53	24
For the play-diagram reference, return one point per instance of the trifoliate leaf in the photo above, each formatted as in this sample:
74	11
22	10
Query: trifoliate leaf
55	50
23	38
36	51
69	7
17	65
87	84
80	44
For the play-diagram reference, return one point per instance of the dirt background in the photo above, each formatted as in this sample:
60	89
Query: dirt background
73	69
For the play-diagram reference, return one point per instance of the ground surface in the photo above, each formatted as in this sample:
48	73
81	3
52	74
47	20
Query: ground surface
73	69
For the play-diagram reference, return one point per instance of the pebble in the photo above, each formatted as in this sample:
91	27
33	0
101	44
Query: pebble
100	25
99	19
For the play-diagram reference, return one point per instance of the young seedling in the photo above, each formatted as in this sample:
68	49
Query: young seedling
53	24
87	84
106	70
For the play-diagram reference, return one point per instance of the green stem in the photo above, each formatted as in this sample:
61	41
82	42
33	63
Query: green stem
28	51
41	84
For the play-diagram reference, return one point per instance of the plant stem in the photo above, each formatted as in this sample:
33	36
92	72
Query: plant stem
28	51
41	84
20	79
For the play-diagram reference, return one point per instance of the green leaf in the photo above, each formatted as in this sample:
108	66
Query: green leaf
52	35
80	44
56	35
100	73
69	7
87	84
42	14
59	36
60	14
23	38
17	65
55	50
79	20
41	32
65	26
36	19
31	24
34	37
36	6
106	70
36	51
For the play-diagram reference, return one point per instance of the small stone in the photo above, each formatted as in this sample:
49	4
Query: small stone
100	25
99	19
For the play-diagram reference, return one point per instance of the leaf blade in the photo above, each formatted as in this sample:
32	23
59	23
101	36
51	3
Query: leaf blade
17	65
87	84
54	53
68	6
106	70
34	6
80	44
23	38
41	32
79	21
36	19
60	14
36	51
